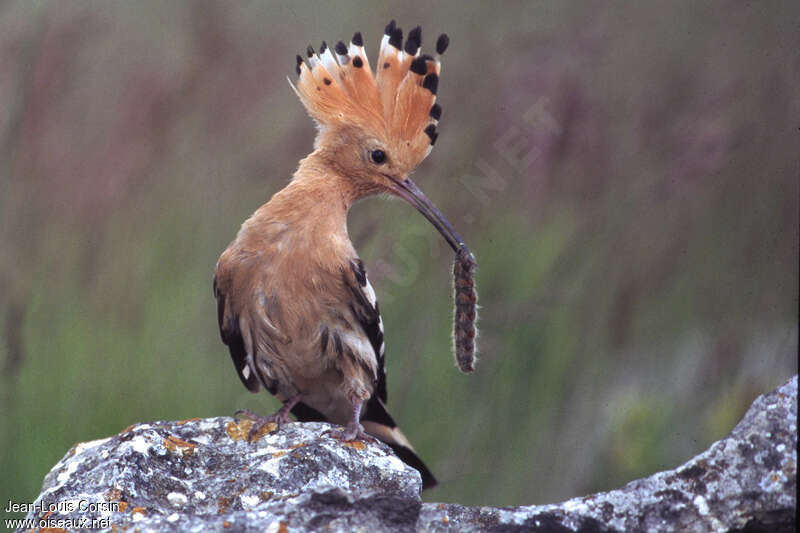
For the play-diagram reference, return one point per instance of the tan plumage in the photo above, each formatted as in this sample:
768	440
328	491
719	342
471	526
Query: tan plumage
294	304
288	275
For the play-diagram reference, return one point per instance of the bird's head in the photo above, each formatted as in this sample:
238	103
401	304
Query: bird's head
375	128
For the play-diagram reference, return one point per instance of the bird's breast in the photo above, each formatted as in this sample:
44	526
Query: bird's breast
303	308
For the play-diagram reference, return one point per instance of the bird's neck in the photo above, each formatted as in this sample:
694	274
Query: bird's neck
318	194
313	208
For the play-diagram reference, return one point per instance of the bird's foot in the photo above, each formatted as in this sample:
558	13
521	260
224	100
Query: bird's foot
353	431
280	417
260	421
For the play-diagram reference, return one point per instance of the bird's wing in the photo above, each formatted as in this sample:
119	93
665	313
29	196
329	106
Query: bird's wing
245	323
365	308
376	419
232	335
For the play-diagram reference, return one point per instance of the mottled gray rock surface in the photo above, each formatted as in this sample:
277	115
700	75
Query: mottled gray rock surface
744	482
203	475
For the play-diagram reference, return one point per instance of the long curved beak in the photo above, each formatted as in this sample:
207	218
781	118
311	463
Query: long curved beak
408	191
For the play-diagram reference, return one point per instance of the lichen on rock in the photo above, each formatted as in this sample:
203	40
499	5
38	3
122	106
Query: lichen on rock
204	475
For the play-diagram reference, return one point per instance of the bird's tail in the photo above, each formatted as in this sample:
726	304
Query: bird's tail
379	423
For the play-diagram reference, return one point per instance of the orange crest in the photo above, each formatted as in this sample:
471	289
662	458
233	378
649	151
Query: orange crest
396	104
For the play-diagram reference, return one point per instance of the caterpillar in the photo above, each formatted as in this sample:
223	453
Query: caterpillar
466	310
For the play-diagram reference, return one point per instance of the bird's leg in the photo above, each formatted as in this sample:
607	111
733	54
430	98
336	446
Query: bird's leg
281	416
354	430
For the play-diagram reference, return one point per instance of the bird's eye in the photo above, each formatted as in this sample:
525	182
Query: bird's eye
378	156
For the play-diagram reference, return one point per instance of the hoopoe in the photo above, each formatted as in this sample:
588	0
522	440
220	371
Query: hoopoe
295	306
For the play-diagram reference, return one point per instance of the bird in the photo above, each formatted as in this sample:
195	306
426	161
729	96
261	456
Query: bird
294	304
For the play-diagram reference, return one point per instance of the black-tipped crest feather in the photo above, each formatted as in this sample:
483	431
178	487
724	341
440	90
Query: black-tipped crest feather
416	35
431	82
442	43
398	96
396	38
414	41
418	66
431	132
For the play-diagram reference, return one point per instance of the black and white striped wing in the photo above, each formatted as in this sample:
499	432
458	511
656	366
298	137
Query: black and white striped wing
376	419
365	308
232	337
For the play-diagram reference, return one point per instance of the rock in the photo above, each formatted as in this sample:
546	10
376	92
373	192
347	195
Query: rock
203	475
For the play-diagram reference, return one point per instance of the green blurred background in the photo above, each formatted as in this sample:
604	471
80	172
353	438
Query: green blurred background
625	173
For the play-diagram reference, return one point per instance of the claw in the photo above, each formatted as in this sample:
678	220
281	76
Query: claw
259	422
280	417
351	432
